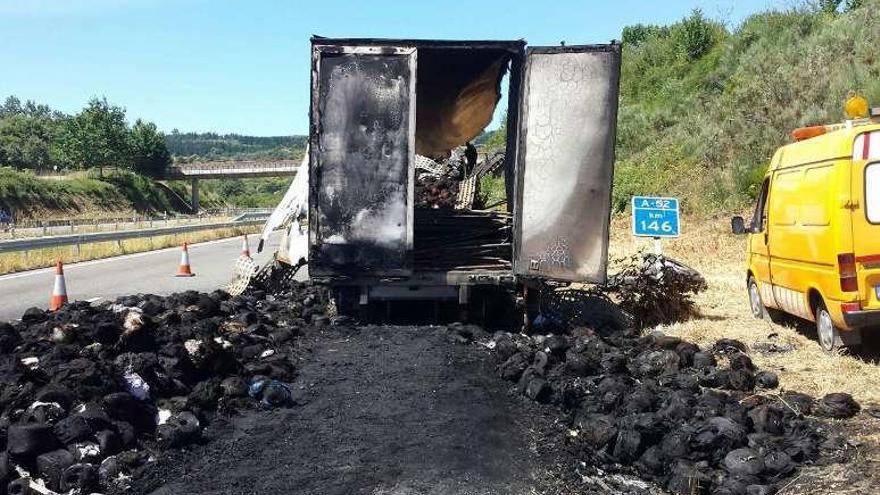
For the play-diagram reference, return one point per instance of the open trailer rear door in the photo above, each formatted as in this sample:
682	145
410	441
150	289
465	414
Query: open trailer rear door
362	154
568	117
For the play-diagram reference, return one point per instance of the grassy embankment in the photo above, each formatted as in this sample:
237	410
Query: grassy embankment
704	107
116	194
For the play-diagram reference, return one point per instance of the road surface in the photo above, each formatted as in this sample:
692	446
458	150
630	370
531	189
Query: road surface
150	272
380	410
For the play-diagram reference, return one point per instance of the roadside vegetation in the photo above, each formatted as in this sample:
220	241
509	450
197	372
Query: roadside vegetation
704	105
82	194
190	147
93	164
36	137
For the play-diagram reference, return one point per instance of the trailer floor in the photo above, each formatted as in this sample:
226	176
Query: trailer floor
380	410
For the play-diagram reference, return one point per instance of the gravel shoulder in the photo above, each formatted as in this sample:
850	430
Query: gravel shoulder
379	410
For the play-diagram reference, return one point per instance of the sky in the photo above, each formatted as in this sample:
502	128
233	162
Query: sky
243	66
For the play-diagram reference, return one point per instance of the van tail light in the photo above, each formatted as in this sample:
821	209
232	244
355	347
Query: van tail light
850	307
846	266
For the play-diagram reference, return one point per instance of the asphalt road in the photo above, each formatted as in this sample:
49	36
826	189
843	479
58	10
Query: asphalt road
149	273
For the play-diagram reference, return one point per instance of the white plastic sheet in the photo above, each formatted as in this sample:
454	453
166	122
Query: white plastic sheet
294	204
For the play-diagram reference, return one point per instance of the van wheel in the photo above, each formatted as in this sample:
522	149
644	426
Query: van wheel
829	336
760	311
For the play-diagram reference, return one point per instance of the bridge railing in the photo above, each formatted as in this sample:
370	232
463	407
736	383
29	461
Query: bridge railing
242	167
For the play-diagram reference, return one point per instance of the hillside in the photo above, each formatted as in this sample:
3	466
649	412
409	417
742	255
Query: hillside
85	194
194	146
704	107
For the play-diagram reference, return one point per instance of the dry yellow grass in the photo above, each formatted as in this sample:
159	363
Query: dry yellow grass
41	258
709	247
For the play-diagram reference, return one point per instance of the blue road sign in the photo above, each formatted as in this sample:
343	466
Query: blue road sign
655	217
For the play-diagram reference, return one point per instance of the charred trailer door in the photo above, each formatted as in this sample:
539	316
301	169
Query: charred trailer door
565	162
361	160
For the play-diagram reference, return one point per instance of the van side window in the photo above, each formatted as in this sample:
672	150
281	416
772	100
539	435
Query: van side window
872	192
759	220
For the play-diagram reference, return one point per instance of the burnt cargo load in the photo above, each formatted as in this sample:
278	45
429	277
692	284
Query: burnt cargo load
381	109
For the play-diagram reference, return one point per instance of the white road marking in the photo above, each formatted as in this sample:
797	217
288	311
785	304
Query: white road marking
108	260
94	299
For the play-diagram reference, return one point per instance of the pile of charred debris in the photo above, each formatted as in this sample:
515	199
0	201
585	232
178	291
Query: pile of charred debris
693	420
450	233
91	393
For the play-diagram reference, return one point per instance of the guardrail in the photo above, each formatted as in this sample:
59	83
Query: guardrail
17	245
262	216
67	222
41	228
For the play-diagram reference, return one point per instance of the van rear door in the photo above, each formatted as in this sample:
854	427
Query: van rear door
362	153
865	206
565	161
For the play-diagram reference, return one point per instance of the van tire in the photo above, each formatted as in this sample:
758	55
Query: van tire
827	334
756	304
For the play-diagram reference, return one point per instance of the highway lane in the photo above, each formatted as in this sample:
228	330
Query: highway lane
149	272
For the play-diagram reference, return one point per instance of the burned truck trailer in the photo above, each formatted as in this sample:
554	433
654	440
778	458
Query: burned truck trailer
384	112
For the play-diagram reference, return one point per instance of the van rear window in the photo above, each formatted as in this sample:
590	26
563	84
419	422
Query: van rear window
872	192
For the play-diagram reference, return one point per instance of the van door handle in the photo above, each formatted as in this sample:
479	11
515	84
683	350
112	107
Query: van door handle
851	205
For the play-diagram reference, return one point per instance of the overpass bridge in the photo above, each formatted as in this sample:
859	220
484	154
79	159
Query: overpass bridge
235	169
231	169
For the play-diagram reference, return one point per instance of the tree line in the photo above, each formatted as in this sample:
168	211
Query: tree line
208	146
34	136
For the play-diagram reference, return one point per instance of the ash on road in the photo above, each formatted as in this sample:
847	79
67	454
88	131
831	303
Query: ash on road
379	410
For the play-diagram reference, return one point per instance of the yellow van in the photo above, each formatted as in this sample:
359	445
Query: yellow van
814	238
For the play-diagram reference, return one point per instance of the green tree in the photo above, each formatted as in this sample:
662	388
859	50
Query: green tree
96	137
149	153
853	4
28	134
497	139
229	188
695	35
827	6
637	34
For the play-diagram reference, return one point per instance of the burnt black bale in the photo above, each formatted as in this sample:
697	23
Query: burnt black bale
122	406
740	361
667	413
766	379
9	338
687	478
703	360
513	368
82	477
6	472
837	405
26	442
51	467
73	428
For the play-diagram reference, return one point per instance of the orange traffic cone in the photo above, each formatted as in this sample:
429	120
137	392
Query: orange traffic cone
245	249
59	291
184	270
